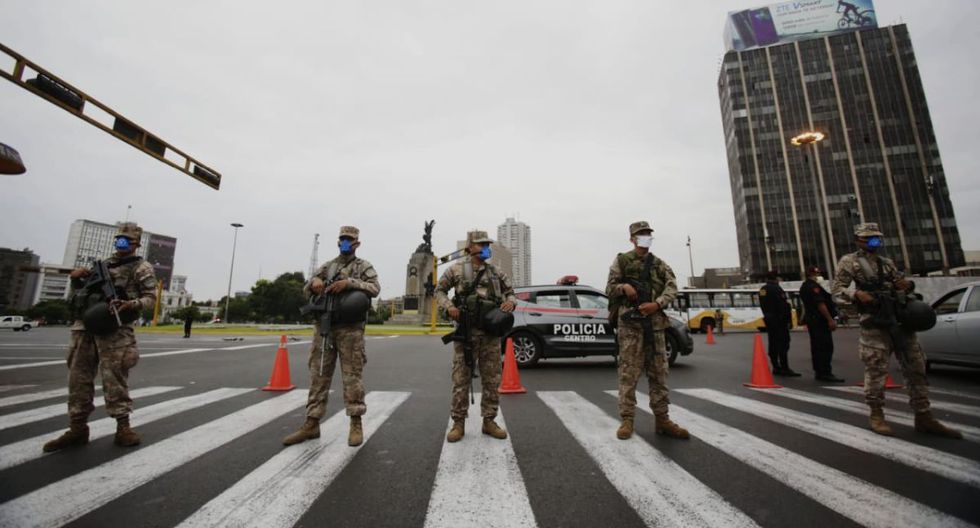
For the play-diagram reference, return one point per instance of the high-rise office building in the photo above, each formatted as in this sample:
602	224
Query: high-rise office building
89	241
516	236
17	281
859	87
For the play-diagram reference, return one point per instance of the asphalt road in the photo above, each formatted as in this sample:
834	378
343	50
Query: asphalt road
212	455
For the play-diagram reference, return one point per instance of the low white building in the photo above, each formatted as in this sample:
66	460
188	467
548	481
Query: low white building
52	283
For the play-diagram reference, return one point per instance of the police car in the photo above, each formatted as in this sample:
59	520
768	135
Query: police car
569	320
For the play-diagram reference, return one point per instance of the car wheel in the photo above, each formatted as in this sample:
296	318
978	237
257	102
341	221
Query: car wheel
527	349
673	348
25	328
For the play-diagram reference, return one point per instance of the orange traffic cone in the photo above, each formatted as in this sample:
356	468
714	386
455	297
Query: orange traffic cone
279	381
889	383
761	375
511	381
711	336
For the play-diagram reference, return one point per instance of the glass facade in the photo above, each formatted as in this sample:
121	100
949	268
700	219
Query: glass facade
796	206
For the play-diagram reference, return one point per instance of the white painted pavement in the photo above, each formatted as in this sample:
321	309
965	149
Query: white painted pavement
68	499
958	408
970	433
280	491
478	482
662	492
29	449
61	409
856	499
34	396
953	393
8	388
927	459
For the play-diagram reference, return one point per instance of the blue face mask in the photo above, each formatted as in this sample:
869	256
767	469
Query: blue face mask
875	242
122	244
485	253
346	246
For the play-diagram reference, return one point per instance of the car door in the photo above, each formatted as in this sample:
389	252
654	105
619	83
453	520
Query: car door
550	314
941	339
968	328
594	319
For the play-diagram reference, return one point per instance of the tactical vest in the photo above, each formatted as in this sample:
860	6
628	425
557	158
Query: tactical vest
631	266
471	301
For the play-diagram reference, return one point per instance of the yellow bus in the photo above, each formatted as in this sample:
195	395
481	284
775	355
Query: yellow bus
722	309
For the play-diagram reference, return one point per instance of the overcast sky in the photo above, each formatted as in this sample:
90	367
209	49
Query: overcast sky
580	117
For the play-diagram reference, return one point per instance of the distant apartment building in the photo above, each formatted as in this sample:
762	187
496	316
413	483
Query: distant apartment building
17	281
89	241
53	283
516	236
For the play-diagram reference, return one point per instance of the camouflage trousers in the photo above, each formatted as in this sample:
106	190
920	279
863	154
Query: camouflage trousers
111	356
632	357
348	345
875	346
486	354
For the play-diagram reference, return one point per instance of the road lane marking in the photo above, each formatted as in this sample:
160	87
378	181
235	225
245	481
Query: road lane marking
7	388
958	408
37	364
25	450
61	409
924	458
68	499
280	491
845	494
478	482
662	492
153	354
970	432
953	393
34	396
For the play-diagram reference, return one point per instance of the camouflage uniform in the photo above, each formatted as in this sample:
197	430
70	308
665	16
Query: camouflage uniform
632	351
875	345
496	286
348	339
111	355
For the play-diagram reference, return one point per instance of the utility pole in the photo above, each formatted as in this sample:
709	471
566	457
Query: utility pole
313	256
690	256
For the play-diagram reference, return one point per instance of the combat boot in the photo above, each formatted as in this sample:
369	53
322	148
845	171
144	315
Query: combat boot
356	435
457	432
76	435
878	424
491	428
625	430
666	427
309	430
925	423
125	437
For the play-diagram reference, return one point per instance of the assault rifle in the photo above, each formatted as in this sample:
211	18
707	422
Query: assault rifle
99	281
322	306
462	334
643	295
884	310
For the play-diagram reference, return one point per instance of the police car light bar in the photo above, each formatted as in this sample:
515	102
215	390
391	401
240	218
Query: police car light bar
48	86
568	280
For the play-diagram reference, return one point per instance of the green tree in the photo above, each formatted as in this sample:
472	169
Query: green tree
53	311
278	301
180	315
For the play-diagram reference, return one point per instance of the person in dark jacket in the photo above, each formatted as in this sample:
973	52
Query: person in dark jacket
820	312
778	317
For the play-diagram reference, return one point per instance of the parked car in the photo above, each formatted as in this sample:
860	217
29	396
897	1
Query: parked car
954	338
16	323
569	320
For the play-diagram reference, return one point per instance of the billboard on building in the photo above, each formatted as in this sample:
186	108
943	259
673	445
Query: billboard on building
788	21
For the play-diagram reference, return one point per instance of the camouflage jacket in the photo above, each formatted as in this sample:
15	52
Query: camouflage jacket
850	269
493	283
135	279
358	271
663	279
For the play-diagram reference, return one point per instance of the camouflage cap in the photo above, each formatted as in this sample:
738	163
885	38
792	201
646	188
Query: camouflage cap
129	230
868	229
349	231
639	227
477	237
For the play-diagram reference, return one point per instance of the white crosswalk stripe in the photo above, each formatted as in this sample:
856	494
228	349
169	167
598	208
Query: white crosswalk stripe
970	433
958	408
928	459
29	449
34	396
66	500
483	471
8	388
277	493
849	496
953	393
661	492
61	409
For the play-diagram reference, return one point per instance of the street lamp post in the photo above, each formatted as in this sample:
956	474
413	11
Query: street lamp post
690	257
234	245
809	140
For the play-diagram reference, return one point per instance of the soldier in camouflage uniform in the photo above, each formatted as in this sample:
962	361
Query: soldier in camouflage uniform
480	280
637	355
345	271
111	354
875	345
